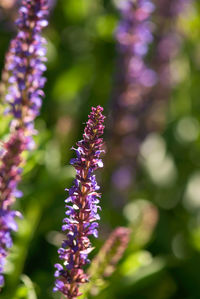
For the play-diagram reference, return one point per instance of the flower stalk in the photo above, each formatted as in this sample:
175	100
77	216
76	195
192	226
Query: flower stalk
82	209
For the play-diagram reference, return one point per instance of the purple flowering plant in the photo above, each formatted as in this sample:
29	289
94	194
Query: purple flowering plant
25	59
143	83
82	209
24	66
10	175
130	100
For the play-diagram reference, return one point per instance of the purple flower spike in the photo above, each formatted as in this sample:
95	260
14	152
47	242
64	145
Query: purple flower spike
25	64
131	101
22	74
10	175
83	211
10	172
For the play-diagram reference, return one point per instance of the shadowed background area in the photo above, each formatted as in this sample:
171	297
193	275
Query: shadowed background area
151	179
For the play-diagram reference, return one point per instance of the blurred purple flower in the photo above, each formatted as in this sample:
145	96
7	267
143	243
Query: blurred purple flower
134	80
134	34
141	90
10	172
82	209
10	175
25	64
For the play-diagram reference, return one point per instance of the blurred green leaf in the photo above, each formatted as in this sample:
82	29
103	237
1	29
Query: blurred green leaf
69	84
105	26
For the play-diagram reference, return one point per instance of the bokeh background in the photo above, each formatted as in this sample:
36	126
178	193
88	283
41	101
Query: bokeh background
163	203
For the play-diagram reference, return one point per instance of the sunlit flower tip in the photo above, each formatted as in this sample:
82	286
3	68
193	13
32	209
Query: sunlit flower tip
82	208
